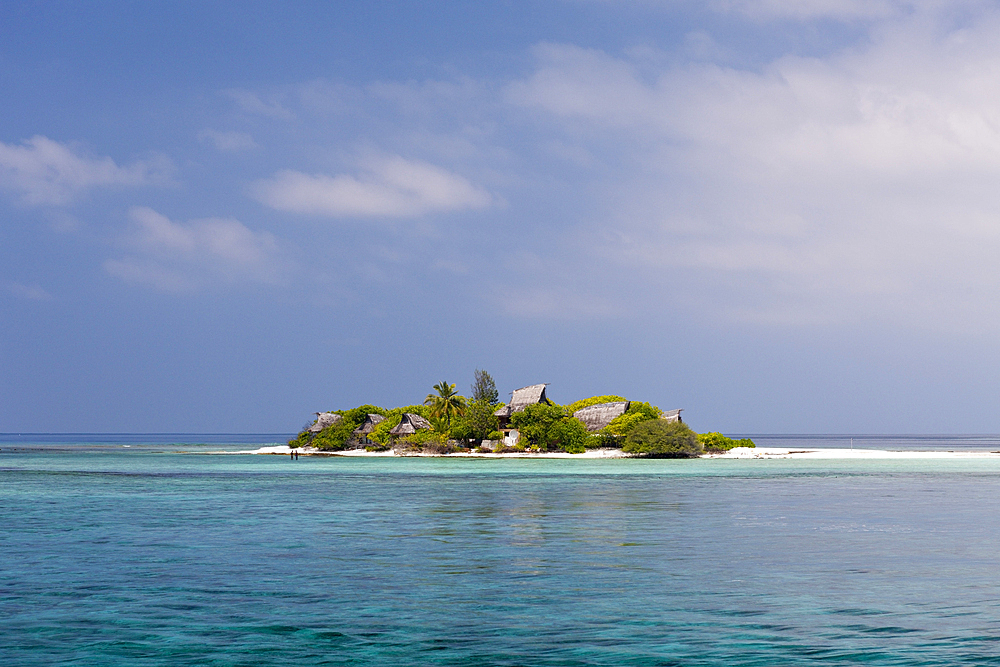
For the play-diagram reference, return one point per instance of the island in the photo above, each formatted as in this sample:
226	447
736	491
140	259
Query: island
529	424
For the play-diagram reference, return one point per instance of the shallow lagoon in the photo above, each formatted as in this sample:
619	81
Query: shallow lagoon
143	556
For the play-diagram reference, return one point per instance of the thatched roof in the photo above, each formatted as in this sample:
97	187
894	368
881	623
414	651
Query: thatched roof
369	425
324	419
596	417
673	415
409	424
522	398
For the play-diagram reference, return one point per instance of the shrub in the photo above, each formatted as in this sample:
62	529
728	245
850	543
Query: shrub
716	442
665	439
337	436
548	427
594	400
637	413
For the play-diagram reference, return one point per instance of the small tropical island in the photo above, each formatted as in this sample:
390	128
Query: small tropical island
447	423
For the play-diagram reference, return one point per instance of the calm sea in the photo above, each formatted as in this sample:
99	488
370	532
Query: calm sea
121	550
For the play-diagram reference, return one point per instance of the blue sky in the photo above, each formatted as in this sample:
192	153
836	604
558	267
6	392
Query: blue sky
781	216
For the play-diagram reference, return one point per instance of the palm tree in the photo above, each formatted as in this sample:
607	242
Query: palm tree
446	403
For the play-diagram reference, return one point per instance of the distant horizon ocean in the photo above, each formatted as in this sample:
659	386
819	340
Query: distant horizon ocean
144	549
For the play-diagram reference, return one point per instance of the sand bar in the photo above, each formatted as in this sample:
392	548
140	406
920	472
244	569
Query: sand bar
737	453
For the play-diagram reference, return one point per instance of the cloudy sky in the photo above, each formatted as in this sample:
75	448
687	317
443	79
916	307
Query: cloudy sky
780	215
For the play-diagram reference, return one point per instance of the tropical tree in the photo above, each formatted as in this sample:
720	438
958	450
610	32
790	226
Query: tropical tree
484	388
446	404
658	437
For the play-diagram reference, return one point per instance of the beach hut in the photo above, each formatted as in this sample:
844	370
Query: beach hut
519	400
409	424
596	417
673	415
324	419
371	421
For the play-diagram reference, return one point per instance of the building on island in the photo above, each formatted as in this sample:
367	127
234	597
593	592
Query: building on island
596	417
324	419
363	431
409	424
519	400
672	415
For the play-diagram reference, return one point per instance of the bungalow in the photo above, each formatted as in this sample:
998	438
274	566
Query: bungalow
409	424
519	400
363	431
324	419
596	417
673	415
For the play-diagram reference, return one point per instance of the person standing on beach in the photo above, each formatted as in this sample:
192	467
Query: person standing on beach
291	454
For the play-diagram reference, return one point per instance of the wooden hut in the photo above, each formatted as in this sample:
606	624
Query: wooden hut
519	400
596	417
409	424
324	419
673	415
371	421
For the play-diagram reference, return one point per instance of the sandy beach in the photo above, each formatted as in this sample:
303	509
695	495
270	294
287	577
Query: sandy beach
737	453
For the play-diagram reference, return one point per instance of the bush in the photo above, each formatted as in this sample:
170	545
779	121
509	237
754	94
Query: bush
716	442
637	413
665	439
337	436
549	427
594	400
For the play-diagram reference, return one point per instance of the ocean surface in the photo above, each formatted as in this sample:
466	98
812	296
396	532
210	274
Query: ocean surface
147	550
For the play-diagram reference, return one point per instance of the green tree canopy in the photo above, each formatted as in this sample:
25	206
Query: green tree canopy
548	426
484	388
661	438
446	404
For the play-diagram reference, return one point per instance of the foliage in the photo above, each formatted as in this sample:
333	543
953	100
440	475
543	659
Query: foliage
477	423
661	438
484	388
636	414
337	436
446	404
380	434
549	427
594	400
716	442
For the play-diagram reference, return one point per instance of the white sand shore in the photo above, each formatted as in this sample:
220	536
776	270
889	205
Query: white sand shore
737	453
309	451
777	453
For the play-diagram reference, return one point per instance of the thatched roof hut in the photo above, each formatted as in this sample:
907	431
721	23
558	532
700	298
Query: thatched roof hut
673	415
596	417
522	398
370	422
409	424
324	419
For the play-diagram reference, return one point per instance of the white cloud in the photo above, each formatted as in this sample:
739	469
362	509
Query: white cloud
861	185
393	187
173	256
227	141
33	292
813	9
45	172
251	102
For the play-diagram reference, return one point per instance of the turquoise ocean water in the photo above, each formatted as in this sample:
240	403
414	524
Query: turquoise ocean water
119	550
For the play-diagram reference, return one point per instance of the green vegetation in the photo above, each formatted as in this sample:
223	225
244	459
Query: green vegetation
458	424
659	438
716	442
549	427
594	400
445	405
478	423
636	414
337	437
380	434
484	388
